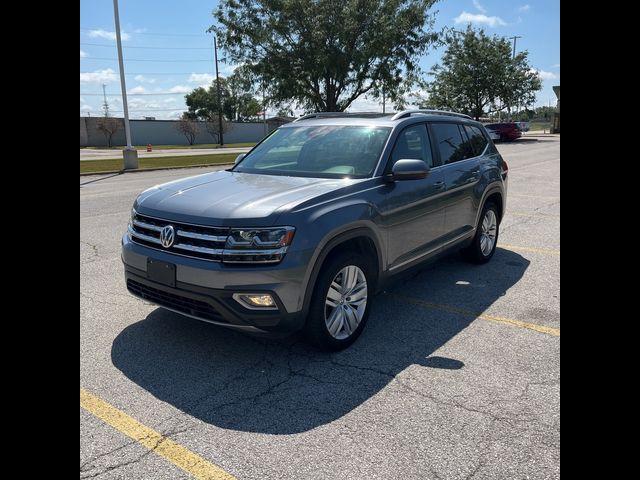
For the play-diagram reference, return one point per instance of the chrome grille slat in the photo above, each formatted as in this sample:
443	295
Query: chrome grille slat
200	236
197	241
146	225
142	236
194	248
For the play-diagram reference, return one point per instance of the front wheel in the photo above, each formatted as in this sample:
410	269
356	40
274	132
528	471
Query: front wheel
486	238
341	302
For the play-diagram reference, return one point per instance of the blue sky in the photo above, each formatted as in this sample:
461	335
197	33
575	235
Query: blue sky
167	52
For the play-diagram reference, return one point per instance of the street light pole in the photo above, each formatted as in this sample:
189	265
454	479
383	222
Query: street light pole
215	50
513	56
130	155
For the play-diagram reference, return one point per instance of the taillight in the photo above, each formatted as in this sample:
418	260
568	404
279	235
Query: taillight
505	167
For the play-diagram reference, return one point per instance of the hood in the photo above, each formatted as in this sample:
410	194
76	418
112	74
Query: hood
232	198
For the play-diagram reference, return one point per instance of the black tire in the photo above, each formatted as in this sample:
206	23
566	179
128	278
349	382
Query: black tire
316	330
473	253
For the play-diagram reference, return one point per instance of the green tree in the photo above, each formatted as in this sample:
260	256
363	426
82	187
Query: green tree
238	103
203	103
324	54
478	76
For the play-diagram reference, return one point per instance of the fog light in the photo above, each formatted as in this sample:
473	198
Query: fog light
256	301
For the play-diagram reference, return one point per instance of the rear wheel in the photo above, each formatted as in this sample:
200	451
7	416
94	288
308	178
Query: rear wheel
341	302
486	238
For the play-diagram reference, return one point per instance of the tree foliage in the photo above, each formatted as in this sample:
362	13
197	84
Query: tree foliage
478	76
324	54
238	103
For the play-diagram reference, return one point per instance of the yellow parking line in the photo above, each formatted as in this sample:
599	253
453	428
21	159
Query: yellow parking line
154	441
546	251
492	318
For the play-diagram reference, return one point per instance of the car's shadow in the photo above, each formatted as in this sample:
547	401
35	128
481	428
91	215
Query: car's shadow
285	386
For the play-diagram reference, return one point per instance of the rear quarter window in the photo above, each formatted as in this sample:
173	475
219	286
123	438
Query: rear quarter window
477	139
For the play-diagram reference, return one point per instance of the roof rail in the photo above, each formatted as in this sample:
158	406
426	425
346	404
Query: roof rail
340	114
407	113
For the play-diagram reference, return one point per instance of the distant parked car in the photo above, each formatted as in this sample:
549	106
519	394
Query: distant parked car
506	131
493	134
524	126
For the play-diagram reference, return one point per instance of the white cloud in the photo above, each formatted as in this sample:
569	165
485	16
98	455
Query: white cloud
169	100
83	54
476	4
99	76
138	89
143	79
466	17
524	8
201	79
544	75
108	35
519	19
229	69
555	65
366	104
180	89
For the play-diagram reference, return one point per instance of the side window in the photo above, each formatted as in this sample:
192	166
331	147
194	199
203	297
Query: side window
452	144
413	142
478	140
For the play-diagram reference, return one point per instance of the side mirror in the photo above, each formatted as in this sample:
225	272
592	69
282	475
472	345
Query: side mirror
239	157
409	169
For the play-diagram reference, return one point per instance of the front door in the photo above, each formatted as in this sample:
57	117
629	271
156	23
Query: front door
412	210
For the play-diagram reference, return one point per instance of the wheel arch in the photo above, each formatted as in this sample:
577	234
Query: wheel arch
362	238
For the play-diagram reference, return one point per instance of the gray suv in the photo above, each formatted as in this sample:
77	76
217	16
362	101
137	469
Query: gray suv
307	226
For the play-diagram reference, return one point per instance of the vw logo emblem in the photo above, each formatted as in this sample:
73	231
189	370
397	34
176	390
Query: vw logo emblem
167	236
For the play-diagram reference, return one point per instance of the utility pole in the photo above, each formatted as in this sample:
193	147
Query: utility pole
105	105
264	108
513	56
515	37
130	155
215	51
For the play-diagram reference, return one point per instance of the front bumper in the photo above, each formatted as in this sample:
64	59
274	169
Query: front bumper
204	289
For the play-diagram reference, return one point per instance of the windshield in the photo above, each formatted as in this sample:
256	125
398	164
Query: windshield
326	151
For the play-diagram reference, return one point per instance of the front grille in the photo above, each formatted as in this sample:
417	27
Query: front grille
176	302
197	241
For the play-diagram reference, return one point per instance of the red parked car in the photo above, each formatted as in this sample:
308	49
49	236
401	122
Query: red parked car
506	131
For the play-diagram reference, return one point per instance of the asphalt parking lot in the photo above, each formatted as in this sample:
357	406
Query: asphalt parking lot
455	377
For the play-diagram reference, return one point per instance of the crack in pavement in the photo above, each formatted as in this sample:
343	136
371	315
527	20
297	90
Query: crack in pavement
165	436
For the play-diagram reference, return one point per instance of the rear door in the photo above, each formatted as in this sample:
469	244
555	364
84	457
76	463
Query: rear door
461	173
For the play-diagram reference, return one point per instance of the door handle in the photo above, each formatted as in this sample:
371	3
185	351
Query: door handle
438	185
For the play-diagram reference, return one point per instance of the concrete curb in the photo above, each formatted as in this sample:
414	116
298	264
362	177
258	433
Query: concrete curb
110	172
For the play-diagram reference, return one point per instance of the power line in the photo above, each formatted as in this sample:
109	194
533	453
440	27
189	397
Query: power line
145	47
156	73
159	73
131	94
154	34
146	60
150	110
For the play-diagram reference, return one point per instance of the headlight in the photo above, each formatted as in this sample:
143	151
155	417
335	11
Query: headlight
257	245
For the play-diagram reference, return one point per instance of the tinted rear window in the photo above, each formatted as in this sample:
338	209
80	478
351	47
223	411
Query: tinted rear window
478	140
451	142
